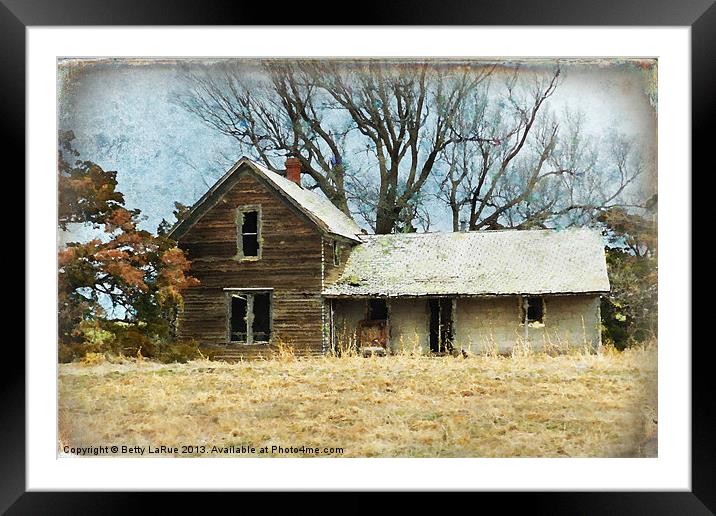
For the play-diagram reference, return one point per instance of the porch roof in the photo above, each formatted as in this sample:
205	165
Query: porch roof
504	262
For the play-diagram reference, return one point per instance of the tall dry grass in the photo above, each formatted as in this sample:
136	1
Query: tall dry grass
527	404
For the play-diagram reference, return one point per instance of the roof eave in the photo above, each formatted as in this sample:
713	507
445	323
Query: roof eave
177	231
413	295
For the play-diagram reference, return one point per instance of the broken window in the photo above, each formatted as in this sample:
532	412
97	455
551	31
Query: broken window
441	325
377	309
250	317
336	253
532	309
261	327
238	318
249	232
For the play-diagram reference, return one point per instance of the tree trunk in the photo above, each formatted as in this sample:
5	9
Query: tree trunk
455	217
385	221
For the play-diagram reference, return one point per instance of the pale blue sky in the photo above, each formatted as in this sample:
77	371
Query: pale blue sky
124	120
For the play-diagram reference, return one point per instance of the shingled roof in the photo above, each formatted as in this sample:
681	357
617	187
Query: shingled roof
475	263
317	208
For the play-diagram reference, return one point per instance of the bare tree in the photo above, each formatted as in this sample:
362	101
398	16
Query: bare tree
371	135
406	114
516	166
401	115
274	114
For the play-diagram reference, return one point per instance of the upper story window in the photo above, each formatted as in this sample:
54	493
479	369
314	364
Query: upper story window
249	234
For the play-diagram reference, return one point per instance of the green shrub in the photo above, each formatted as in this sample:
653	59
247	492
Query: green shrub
88	337
66	353
95	338
182	352
132	341
91	359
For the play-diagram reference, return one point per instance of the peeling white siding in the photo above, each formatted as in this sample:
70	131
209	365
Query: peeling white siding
484	324
493	324
347	313
409	325
487	324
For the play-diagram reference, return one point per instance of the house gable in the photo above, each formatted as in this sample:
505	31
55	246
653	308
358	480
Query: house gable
316	209
214	231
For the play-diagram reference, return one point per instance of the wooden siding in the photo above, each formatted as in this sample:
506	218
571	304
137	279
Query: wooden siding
333	272
290	264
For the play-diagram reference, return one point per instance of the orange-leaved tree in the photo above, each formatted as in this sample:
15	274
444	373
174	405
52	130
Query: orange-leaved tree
135	274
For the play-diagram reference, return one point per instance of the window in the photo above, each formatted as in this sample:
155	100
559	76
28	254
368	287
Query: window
261	327
336	253
249	317
532	309
377	310
239	305
249	238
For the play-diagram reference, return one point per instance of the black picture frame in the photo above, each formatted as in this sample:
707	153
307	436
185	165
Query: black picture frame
700	15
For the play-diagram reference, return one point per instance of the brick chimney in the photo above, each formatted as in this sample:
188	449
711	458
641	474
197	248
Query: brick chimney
293	170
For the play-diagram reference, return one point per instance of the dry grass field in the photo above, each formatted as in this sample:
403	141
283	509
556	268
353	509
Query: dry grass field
577	405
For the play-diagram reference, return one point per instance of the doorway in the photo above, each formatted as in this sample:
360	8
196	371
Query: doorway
441	325
373	330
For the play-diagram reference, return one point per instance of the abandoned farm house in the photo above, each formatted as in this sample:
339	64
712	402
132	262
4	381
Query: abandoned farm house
280	264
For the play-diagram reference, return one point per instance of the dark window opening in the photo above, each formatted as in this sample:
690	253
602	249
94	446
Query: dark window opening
250	245
238	318
262	317
532	309
250	233
250	318
336	253
251	222
377	309
441	325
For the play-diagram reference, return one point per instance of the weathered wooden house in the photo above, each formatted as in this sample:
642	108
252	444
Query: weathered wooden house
280	263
